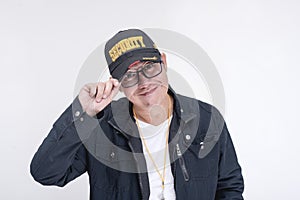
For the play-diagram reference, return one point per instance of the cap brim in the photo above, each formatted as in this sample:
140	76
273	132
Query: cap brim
119	68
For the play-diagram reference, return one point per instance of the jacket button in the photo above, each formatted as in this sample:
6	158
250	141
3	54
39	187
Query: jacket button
201	145
112	155
187	137
77	113
81	119
181	110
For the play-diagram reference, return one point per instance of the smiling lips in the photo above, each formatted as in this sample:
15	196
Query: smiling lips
147	91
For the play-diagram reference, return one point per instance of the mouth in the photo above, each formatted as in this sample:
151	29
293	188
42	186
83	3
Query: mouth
147	92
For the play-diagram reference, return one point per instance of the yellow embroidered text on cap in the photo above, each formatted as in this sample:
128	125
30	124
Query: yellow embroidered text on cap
125	45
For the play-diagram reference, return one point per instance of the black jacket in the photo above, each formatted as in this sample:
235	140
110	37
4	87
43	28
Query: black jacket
204	162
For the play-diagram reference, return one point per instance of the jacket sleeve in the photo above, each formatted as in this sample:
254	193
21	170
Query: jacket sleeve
62	155
230	180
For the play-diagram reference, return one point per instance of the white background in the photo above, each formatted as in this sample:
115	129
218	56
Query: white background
254	45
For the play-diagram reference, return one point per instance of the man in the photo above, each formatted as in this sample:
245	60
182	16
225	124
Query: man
153	144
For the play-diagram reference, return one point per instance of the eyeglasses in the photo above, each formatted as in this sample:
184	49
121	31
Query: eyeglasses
148	69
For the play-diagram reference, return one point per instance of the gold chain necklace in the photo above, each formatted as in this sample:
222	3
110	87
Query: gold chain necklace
162	176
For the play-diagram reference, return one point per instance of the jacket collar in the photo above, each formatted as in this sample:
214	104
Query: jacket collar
185	111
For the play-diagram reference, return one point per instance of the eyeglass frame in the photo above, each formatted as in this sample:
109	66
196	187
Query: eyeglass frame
141	70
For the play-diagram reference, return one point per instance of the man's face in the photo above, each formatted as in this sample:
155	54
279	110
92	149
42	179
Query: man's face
149	90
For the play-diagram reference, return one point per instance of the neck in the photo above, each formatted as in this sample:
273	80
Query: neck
155	114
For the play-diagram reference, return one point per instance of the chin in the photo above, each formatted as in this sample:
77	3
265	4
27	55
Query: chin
150	100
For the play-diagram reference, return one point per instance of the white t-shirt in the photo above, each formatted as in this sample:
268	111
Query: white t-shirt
155	138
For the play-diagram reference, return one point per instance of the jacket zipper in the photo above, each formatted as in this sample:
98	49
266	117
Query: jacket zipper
182	163
139	175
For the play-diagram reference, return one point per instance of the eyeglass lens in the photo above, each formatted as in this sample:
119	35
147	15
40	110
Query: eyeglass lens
148	69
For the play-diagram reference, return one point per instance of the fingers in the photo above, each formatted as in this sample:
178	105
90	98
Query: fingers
94	97
115	89
100	88
115	82
107	89
92	90
104	90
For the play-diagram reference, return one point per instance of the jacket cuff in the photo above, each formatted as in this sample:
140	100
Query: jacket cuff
84	123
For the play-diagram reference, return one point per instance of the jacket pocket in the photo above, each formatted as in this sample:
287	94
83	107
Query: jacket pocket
116	157
112	167
201	167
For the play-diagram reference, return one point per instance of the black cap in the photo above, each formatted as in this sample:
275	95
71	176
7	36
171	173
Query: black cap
126	47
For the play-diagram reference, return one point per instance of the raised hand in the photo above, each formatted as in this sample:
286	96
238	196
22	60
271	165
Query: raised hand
94	97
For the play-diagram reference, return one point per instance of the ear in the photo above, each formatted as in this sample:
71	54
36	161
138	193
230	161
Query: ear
164	60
